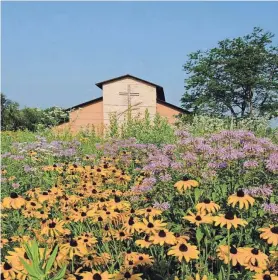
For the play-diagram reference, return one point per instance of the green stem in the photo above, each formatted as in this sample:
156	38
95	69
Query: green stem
229	257
72	264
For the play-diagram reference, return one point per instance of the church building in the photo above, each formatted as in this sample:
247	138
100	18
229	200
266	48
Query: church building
119	95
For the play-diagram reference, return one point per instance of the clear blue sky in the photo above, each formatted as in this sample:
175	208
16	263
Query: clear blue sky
53	53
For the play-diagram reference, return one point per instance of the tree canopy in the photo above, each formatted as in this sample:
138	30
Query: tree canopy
239	77
14	118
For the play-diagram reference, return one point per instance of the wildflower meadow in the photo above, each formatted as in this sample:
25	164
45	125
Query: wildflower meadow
145	201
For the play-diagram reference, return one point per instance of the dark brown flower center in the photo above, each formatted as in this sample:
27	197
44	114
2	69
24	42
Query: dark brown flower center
274	230
147	238
90	258
185	178
255	251
83	214
73	243
122	233
99	219
229	215
52	225
150	225
26	256
162	233
240	193
33	203
183	248
130	262
141	258
131	221
7	266
117	199
127	275
198	218
13	195
45	193
149	210
97	276
206	201
266	277
233	250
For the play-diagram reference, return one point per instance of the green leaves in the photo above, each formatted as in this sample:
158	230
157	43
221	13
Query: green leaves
199	235
237	77
40	269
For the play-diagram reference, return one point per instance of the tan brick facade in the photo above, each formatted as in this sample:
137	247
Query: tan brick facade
119	94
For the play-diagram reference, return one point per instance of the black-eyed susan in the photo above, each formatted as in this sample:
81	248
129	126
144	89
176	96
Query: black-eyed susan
151	226
122	235
45	196
73	247
256	267
42	214
80	215
185	184
144	243
270	234
14	258
33	205
199	218
7	271
232	254
181	238
102	259
131	225
149	212
266	275
143	259
229	220
162	237
88	260
53	228
253	255
243	199
96	275
207	205
127	274
87	239
13	201
184	251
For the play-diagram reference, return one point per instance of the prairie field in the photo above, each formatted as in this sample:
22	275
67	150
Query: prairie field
144	201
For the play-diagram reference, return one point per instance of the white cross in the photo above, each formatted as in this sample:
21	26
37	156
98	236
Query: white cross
129	94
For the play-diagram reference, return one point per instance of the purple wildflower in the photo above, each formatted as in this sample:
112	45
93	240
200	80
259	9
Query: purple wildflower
271	208
262	191
161	206
250	164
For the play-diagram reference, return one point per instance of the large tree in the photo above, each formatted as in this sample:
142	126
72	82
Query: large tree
239	77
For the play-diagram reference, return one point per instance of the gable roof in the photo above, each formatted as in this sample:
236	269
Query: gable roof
181	110
85	103
159	89
101	98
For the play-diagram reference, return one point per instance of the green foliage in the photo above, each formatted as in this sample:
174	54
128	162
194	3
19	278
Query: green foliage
10	114
145	130
32	119
239	77
40	268
202	125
